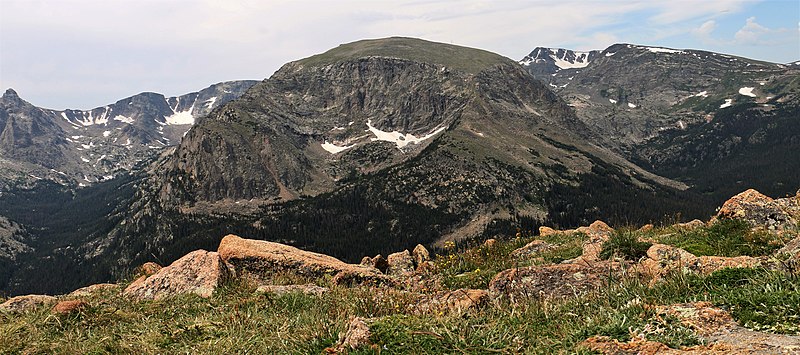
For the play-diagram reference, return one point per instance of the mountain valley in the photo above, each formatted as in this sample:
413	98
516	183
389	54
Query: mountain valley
378	145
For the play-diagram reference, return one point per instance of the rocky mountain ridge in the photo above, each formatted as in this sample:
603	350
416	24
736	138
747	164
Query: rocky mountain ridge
696	116
548	61
81	147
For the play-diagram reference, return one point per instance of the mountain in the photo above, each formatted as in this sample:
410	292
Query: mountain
714	121
81	147
548	61
373	146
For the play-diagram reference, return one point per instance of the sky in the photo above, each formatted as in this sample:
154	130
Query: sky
82	54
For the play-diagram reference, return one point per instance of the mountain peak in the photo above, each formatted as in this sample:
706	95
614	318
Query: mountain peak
555	59
10	94
452	56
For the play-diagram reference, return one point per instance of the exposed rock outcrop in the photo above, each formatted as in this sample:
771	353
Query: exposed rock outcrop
400	263
459	300
762	211
664	259
199	272
532	248
356	336
420	255
26	303
553	281
260	258
716	326
94	289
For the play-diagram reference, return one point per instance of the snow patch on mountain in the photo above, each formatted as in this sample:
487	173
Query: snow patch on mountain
728	103
400	139
123	119
747	91
658	49
333	148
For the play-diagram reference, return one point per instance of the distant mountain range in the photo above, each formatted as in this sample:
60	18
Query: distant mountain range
377	145
81	147
707	119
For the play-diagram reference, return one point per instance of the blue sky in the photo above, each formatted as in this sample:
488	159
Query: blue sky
88	53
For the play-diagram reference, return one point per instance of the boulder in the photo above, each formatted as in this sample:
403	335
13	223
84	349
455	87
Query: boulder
68	307
598	233
547	231
597	228
708	264
555	281
94	289
400	263
721	335
148	268
646	228
420	255
260	258
761	211
26	303
490	243
532	248
691	225
453	301
663	259
199	272
791	250
356	336
280	290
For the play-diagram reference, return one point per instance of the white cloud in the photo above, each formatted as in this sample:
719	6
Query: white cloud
94	52
751	33
705	30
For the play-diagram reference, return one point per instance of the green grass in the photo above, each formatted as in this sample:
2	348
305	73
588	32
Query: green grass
474	267
624	244
728	237
238	320
454	57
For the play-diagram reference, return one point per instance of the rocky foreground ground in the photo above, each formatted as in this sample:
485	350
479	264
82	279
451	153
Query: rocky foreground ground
729	285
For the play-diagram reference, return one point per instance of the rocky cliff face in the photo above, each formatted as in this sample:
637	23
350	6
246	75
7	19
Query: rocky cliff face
81	147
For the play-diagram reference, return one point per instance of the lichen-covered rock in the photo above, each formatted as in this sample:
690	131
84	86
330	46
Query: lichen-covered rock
664	259
553	281
532	248
691	225
420	255
762	211
356	336
260	258
148	268
94	289
378	262
199	272
721	335
459	300
400	263
26	303
547	231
